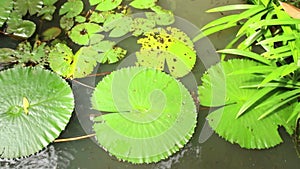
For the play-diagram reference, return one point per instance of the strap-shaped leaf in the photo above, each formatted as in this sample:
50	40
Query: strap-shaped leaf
231	8
248	54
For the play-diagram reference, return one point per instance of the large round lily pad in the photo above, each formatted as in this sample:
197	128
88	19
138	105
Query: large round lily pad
151	114
36	106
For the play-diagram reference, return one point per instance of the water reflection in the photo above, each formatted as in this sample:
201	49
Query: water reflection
49	158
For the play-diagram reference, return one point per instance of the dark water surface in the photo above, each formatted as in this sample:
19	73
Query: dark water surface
202	152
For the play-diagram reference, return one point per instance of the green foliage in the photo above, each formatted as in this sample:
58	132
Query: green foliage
25	54
130	97
40	102
143	4
82	33
105	5
256	96
240	119
170	46
71	8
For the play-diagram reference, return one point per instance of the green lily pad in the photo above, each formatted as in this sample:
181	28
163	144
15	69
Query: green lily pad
222	88
82	33
142	25
143	4
161	16
69	65
19	27
139	129
66	23
71	8
31	6
32	113
170	46
107	5
118	24
108	52
6	7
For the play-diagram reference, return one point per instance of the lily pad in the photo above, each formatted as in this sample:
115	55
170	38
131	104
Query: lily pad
82	33
6	7
143	4
31	6
170	47
137	128
106	5
142	25
222	88
69	65
108	52
32	113
71	8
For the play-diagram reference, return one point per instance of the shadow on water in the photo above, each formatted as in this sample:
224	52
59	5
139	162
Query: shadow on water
213	153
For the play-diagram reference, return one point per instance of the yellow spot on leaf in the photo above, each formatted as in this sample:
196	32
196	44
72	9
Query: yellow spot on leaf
25	105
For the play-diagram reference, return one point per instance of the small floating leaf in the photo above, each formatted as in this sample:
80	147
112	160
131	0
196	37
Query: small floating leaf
171	46
51	106
6	7
143	4
109	52
141	25
149	130
106	5
82	33
65	63
71	8
31	6
66	23
119	25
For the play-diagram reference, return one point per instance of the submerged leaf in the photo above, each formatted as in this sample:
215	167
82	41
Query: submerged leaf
150	130
32	113
221	87
170	46
51	33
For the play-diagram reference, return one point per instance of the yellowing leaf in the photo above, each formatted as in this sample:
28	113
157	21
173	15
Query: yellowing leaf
25	105
293	11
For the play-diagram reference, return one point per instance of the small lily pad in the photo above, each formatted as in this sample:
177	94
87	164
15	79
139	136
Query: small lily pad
143	4
142	25
137	128
107	5
71	8
170	46
82	33
32	113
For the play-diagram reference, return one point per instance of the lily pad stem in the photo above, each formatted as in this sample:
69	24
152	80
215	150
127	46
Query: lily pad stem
74	138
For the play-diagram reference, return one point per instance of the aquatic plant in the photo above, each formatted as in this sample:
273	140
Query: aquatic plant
38	103
260	95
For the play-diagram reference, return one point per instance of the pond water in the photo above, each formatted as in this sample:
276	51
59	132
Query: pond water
202	152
